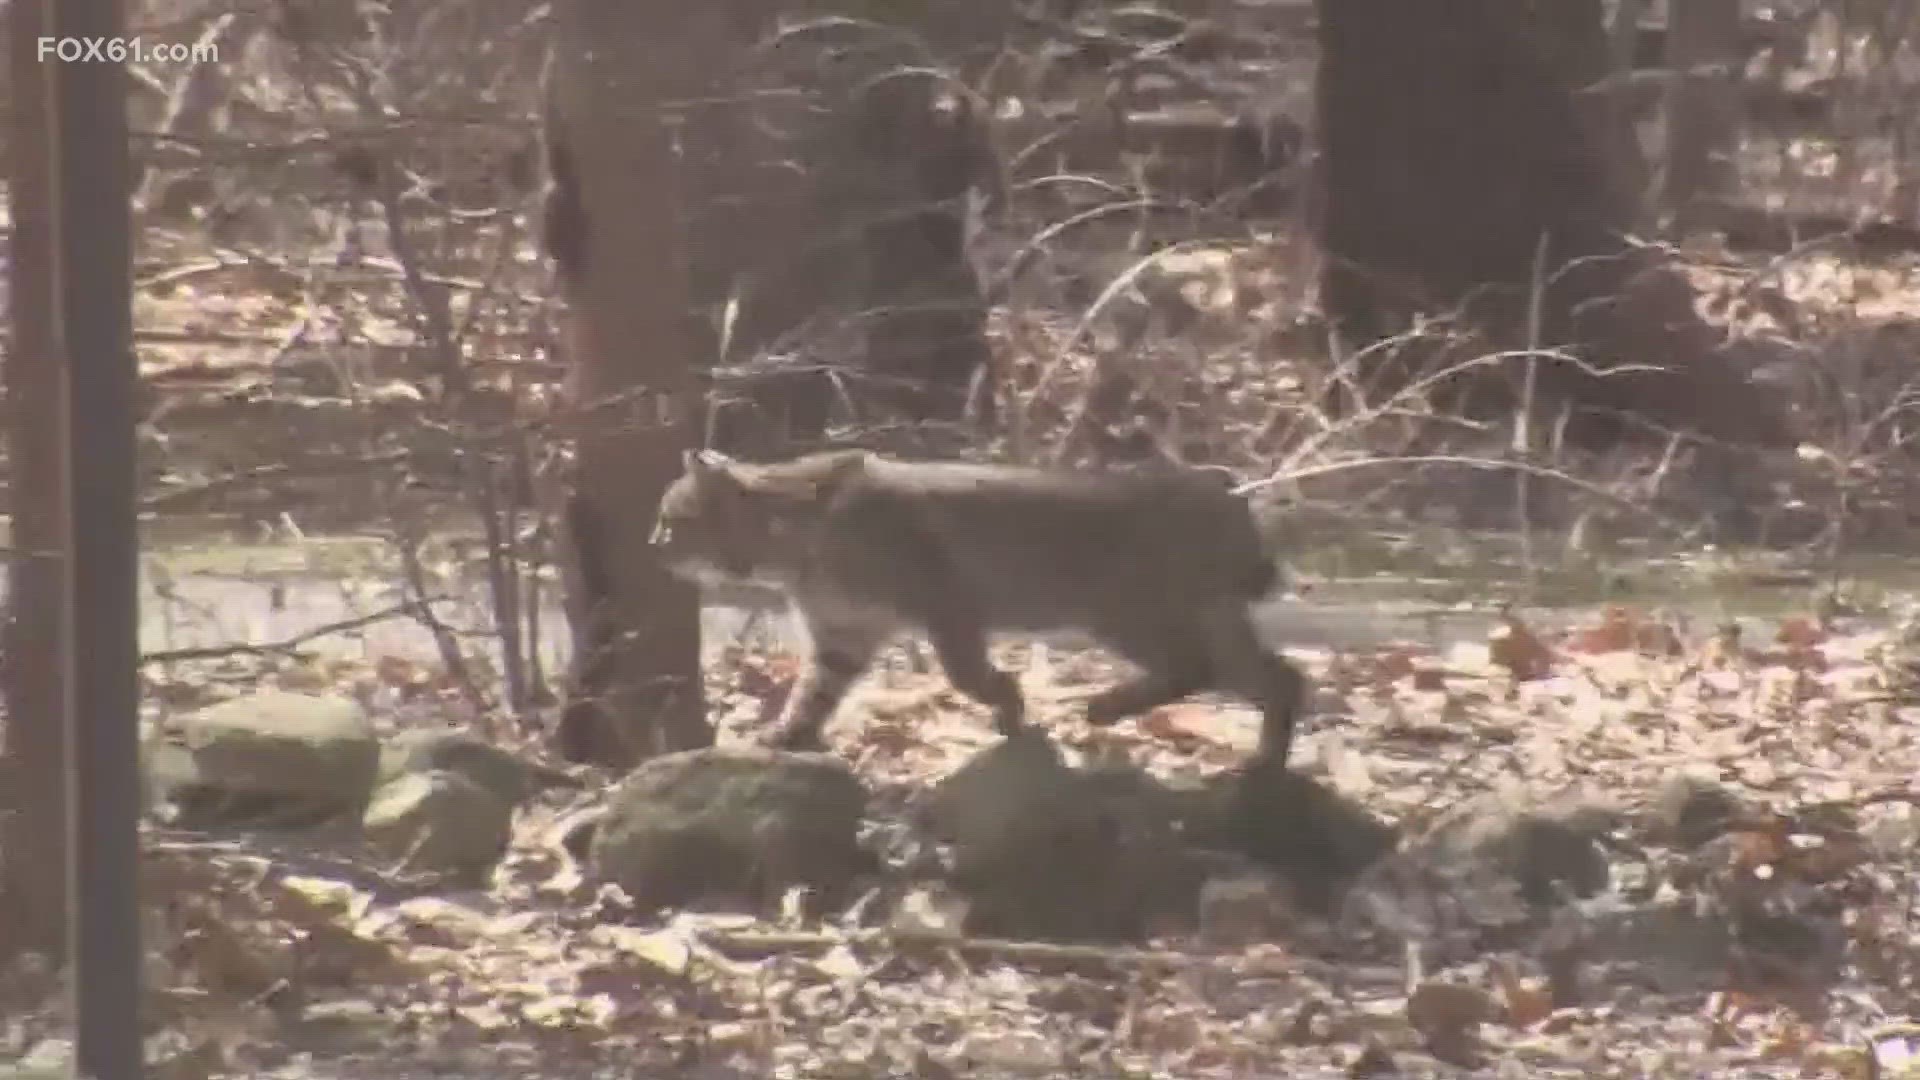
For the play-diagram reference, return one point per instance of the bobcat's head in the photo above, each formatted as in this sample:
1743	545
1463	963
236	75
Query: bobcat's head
730	519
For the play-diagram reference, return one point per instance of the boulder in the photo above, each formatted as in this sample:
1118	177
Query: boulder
1545	842
1495	865
1042	850
1689	810
738	824
439	820
1317	840
267	758
424	750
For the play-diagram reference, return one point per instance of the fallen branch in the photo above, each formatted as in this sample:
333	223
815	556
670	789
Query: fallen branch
279	470
1588	486
760	943
290	646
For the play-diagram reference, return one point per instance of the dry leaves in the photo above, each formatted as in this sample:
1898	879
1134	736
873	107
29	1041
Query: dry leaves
535	967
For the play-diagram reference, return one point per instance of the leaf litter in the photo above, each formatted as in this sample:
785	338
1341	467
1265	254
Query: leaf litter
269	962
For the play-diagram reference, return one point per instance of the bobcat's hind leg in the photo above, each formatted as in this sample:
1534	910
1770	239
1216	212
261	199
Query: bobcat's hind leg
1243	666
1174	668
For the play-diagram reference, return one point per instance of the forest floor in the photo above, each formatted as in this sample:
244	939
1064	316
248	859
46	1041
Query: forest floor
268	959
271	960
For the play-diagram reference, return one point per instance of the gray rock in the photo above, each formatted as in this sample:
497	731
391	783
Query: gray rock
1667	947
1494	866
1315	838
421	750
268	758
1690	810
439	821
1237	910
967	802
284	743
1546	842
1041	850
739	823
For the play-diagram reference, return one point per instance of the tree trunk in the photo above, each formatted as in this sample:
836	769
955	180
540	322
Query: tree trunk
1703	103
927	334
768	269
1461	178
826	215
1622	120
33	877
614	230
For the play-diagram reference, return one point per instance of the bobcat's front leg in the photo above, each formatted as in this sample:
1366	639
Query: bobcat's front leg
842	645
961	643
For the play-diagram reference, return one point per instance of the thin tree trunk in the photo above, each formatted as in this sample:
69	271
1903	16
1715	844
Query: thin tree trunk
1457	168
826	214
927	335
1703	103
33	879
1622	123
636	690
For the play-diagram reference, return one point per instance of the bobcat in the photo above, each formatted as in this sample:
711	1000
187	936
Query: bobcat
1160	568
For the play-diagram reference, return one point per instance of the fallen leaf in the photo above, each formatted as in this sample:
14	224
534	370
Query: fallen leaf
1527	1001
1392	666
1514	645
1182	723
1800	632
667	951
1615	632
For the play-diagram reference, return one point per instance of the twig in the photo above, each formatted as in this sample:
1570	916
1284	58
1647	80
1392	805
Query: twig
1587	486
291	645
414	574
766	942
278	470
1523	439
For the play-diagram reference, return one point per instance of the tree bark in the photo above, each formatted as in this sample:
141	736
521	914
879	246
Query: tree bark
826	215
33	877
769	270
927	334
1461	177
1622	120
1703	102
614	229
